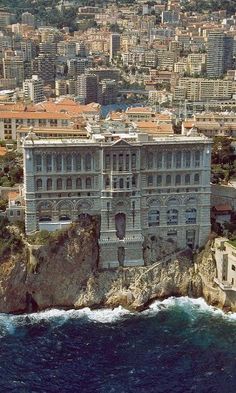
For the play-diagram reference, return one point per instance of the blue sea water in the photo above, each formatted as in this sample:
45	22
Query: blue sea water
176	346
105	109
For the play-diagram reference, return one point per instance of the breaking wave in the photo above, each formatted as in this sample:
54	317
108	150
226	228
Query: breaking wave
192	307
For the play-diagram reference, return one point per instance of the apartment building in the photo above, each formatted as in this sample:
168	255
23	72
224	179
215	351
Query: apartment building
202	89
33	89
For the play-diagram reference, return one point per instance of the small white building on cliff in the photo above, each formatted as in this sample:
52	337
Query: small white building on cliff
140	186
225	256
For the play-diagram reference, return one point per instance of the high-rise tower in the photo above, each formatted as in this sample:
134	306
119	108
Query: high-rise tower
219	54
114	44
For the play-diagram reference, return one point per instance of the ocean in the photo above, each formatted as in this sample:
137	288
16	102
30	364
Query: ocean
179	345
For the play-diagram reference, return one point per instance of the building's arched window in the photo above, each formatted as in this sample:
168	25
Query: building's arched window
59	184
173	201
78	183
69	184
191	216
77	162
59	163
88	182
49	184
121	183
196	178
127	183
172	217
178	159
149	160
187	179
68	163
159	180
178	180
197	158
115	183
133	161
88	162
153	218
168	180
150	180
191	201
39	184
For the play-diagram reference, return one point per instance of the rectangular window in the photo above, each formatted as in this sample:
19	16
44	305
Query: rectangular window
78	162
168	160
127	163
107	161
38	162
114	162
149	160
168	180
159	160
178	159
159	180
197	159
42	122
187	160
133	161
59	163
48	163
121	160
150	180
68	163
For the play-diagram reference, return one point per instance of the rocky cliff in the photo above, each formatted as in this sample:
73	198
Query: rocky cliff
64	273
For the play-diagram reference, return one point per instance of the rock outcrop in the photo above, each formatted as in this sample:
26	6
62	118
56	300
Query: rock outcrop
64	273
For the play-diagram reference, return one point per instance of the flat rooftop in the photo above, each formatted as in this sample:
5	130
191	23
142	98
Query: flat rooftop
135	139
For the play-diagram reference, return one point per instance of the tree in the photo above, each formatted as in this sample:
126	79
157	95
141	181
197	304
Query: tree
3	204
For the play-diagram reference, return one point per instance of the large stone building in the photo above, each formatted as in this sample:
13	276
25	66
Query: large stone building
143	188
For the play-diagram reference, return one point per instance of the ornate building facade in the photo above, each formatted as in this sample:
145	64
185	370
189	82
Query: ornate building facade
139	186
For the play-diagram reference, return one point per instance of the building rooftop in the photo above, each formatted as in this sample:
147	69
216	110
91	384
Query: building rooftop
110	139
139	110
3	151
222	208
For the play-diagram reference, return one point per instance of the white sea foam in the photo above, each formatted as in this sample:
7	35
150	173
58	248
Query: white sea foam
61	316
8	323
104	315
190	305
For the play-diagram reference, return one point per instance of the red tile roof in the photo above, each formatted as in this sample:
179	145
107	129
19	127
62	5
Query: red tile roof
223	208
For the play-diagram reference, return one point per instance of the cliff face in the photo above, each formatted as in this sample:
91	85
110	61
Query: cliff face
50	275
64	273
